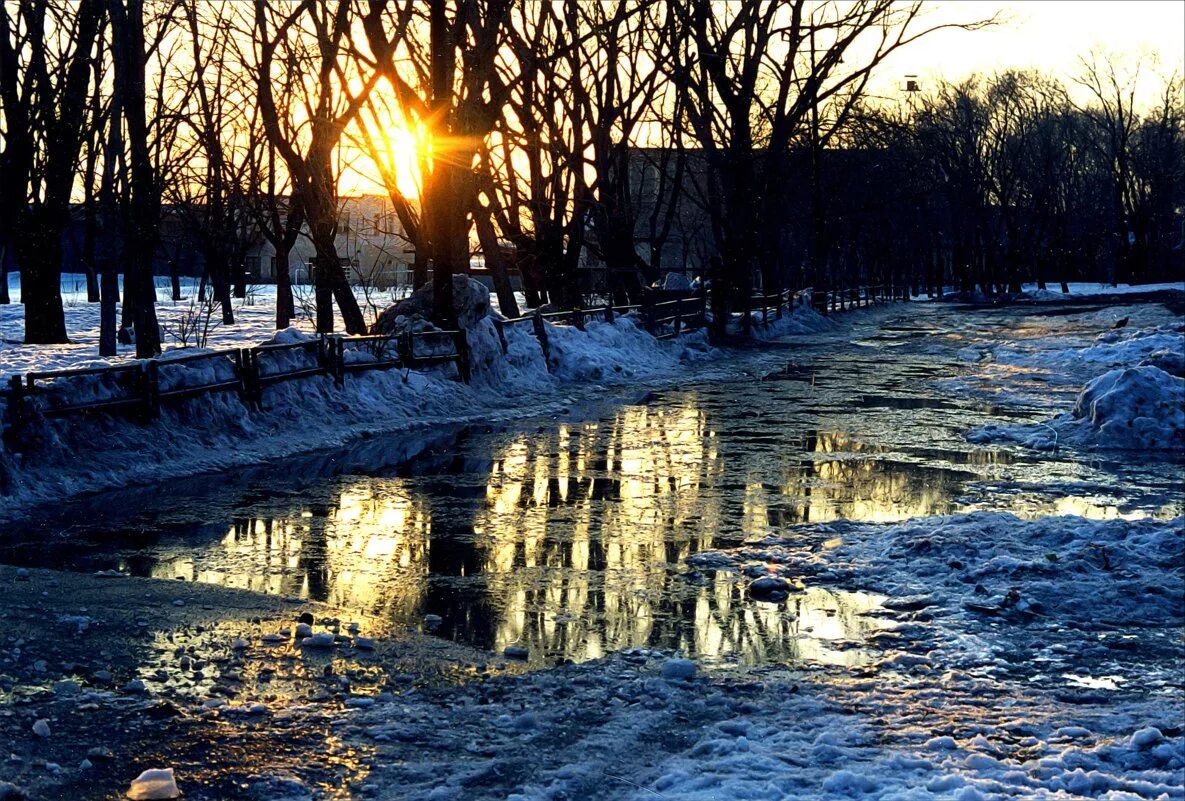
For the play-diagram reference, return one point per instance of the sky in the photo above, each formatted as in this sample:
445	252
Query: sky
1048	35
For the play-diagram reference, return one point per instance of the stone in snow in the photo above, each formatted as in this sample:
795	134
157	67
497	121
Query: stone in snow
322	640
239	644
85	765
41	728
273	638
304	630
22	574
516	652
769	588
152	785
432	621
134	686
364	643
678	669
178	602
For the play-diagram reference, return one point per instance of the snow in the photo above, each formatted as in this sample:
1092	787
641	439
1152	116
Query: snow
154	784
1083	289
217	431
1000	565
1137	405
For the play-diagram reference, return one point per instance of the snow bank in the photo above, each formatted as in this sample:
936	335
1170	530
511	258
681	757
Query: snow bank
1138	405
216	432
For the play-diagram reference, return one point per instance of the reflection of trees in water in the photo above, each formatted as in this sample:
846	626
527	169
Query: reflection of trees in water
579	532
869	489
364	545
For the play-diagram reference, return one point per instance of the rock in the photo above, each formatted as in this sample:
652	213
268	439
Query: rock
41	728
85	764
322	640
154	784
272	639
471	300
99	752
306	618
516	652
67	687
239	644
432	621
678	669
304	630
134	686
353	628
769	588
178	602
103	676
676	282
22	574
364	643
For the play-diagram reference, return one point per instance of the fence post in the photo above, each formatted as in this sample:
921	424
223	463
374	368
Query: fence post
541	335
463	365
578	318
678	316
609	312
500	327
16	410
151	389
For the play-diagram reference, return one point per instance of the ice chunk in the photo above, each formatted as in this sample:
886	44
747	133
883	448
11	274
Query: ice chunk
678	669
154	784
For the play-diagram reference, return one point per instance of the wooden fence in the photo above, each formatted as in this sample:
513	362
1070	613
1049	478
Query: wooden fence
143	387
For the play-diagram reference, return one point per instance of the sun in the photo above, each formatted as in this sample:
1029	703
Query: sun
382	150
405	149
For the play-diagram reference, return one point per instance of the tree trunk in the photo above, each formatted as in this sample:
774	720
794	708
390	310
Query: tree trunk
108	296
39	253
285	306
4	298
495	262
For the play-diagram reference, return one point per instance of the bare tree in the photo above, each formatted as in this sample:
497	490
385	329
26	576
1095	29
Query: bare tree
44	82
306	128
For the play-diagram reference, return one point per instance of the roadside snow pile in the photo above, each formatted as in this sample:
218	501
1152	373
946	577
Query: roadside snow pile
1081	290
1121	347
621	349
801	319
1067	568
1139	405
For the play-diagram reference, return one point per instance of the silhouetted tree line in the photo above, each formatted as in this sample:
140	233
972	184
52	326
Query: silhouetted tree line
534	121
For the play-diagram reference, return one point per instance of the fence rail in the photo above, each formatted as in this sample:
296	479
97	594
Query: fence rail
144	386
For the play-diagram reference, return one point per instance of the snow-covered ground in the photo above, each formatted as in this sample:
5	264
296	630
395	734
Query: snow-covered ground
186	323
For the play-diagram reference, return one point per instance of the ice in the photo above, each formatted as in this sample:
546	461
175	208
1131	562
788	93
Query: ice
323	639
41	728
154	784
678	669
